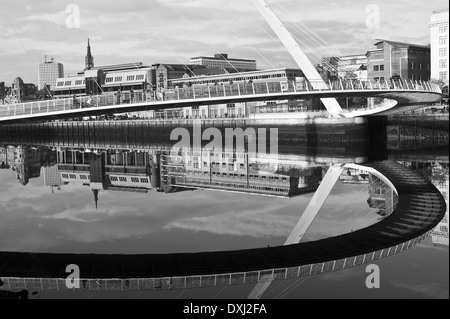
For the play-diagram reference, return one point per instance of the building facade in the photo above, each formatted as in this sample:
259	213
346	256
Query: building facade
393	59
48	73
221	60
439	45
353	67
22	92
167	72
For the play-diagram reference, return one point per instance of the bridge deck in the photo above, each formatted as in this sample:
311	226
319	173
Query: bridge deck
405	92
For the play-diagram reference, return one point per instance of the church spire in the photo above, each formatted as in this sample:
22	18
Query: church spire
95	191
89	60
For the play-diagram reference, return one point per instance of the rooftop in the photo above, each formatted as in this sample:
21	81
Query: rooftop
401	44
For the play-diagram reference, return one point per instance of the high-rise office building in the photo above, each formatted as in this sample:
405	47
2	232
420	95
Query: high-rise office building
48	72
439	45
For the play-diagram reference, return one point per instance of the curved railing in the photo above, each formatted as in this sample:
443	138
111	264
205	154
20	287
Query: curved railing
225	91
420	208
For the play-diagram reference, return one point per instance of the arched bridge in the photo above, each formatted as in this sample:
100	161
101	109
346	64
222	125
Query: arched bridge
402	93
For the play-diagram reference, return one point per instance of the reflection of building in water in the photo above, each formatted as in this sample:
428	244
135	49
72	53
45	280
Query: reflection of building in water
28	162
143	171
236	172
440	179
354	176
4	158
124	171
381	196
52	177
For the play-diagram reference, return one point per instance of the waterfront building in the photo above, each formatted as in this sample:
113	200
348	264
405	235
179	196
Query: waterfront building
353	67
22	92
167	72
221	60
439	45
111	79
48	73
393	59
284	76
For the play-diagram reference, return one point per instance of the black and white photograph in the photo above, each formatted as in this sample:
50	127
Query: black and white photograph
224	157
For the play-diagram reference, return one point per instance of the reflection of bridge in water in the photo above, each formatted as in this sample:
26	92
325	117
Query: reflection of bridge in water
420	208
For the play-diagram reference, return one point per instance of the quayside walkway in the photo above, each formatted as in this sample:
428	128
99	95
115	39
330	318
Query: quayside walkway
420	208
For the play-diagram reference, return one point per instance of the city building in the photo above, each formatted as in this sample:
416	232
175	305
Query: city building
2	92
353	67
48	73
221	60
439	45
93	80
393	59
22	92
284	76
167	72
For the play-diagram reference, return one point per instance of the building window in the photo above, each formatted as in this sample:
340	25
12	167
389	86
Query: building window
443	29
443	39
443	52
381	67
108	80
443	76
442	64
376	68
413	65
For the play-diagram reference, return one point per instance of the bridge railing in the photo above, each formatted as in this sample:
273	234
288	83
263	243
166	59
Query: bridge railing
212	91
217	280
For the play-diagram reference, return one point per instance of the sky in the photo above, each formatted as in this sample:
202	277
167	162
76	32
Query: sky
173	31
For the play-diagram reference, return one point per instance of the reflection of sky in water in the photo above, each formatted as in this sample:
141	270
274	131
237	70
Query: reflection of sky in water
35	219
419	273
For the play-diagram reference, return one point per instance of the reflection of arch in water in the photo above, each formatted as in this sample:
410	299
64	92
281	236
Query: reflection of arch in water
419	210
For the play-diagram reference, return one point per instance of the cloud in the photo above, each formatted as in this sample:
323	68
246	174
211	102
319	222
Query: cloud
431	289
173	31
